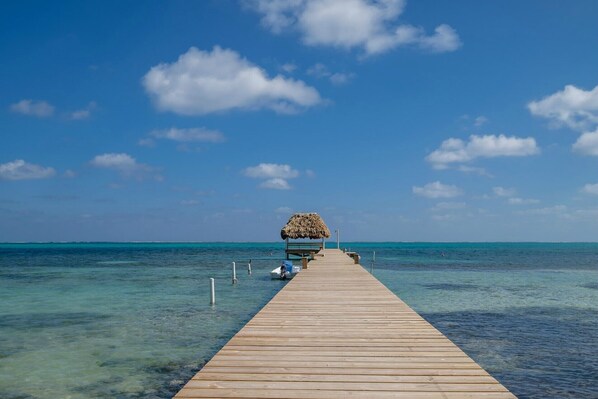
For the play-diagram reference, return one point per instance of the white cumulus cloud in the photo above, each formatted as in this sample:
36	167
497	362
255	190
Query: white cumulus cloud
572	107
125	164
587	143
21	170
275	175
437	190
453	150
41	109
366	24
203	82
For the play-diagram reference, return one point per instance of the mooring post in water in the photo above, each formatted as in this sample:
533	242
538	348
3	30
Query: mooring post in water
212	292
249	267
373	261
234	273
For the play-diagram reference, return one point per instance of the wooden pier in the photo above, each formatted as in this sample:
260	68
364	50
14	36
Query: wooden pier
334	332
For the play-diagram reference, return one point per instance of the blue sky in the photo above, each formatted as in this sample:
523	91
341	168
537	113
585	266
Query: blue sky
215	120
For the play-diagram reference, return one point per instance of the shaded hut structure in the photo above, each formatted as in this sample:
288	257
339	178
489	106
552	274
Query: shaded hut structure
304	226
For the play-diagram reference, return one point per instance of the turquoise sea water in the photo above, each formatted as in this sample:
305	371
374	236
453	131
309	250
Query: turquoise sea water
133	320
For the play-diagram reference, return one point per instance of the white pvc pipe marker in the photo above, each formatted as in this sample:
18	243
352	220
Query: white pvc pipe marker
234	273
212	292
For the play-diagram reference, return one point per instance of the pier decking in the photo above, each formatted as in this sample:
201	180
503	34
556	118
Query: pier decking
334	332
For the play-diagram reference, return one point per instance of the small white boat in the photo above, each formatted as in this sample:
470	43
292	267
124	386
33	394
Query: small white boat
291	271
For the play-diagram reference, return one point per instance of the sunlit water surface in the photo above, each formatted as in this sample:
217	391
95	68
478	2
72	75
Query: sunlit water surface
134	320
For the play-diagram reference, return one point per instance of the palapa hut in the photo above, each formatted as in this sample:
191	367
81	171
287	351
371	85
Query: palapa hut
301	226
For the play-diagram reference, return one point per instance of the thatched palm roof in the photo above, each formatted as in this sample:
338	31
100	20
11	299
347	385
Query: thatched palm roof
305	225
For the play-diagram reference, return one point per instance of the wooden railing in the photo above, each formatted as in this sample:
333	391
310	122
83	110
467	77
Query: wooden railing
303	249
305	245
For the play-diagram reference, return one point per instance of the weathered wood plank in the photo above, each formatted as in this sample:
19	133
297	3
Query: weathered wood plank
336	332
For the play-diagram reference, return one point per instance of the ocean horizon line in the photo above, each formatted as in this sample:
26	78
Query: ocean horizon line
282	242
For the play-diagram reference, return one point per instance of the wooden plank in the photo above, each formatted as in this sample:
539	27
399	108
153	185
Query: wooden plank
349	386
317	394
335	332
396	372
352	378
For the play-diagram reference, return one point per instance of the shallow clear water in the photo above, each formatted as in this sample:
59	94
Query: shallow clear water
121	321
133	320
528	313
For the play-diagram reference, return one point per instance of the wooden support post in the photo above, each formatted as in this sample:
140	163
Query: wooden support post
304	263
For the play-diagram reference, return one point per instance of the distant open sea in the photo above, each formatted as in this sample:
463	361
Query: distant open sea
133	320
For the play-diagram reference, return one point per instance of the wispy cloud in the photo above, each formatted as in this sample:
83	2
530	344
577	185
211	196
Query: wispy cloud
480	121
437	190
522	201
204	82
510	195
190	202
470	121
126	165
590	189
40	109
21	170
444	206
289	67
200	134
336	78
558	210
83	113
190	135
504	192
366	25
69	174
